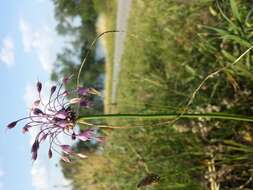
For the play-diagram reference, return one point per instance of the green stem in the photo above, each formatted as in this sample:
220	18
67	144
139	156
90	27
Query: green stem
221	116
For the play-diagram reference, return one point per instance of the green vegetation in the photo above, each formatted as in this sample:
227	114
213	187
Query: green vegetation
171	46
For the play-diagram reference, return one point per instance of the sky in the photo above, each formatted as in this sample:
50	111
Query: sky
28	48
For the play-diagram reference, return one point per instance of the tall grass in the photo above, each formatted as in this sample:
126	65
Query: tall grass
171	48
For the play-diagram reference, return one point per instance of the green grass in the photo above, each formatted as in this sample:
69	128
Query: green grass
170	48
144	87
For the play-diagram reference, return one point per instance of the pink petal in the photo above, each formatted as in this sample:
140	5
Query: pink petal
86	135
67	149
61	114
62	124
65	159
83	138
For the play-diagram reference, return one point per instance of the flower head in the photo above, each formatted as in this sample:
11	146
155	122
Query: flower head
54	117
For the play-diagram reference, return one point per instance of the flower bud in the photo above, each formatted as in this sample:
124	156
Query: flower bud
53	88
39	86
65	159
35	146
12	125
25	129
83	91
86	135
37	111
67	149
85	103
50	154
34	155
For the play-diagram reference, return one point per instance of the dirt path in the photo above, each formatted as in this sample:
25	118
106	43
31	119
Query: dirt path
122	17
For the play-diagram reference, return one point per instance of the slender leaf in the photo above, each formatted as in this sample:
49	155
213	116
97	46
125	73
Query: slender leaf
235	11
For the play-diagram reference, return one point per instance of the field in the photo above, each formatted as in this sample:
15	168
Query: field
171	47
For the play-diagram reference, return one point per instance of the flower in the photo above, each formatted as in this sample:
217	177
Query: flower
54	117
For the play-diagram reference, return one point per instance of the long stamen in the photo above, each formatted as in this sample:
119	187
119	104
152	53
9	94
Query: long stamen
29	117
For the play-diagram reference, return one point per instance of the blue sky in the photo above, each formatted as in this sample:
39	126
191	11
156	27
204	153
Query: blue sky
28	46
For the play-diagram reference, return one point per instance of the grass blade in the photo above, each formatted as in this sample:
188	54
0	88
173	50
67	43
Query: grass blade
235	11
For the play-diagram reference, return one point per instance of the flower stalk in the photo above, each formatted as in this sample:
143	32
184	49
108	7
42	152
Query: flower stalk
169	116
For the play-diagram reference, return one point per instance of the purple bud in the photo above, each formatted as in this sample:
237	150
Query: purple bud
53	88
50	154
25	129
66	79
37	111
83	91
35	146
39	86
85	103
12	125
86	135
34	155
67	149
65	159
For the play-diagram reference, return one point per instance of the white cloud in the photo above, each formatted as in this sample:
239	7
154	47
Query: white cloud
41	41
7	54
40	178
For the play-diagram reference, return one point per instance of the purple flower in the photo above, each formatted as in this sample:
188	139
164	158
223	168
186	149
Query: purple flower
83	91
65	159
39	86
25	129
12	125
90	134
53	88
85	103
67	149
86	135
54	117
50	154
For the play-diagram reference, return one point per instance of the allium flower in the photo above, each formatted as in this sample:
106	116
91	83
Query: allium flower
55	117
